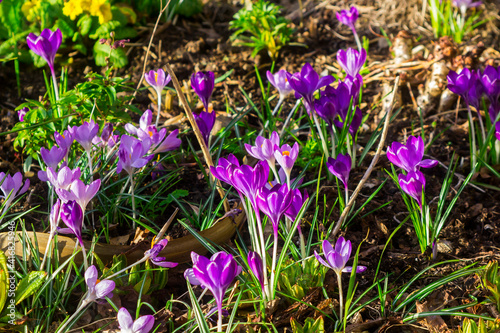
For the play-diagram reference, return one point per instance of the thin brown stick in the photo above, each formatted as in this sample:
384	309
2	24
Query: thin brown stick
166	225
147	52
372	164
194	125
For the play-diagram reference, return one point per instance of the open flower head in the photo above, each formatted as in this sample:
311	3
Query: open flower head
409	157
143	324
336	258
97	290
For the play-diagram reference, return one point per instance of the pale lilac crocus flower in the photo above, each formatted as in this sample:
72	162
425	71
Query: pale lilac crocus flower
158	80
79	192
279	81
64	177
286	157
153	253
51	158
84	135
351	61
264	150
336	259
12	187
97	291
126	324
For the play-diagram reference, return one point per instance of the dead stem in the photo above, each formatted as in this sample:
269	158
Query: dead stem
372	165
196	130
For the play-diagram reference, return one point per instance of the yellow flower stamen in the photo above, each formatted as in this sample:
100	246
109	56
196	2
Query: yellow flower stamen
287	153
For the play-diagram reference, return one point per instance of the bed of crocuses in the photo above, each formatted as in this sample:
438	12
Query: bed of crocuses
321	197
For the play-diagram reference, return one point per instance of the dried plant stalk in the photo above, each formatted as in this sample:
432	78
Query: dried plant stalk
199	136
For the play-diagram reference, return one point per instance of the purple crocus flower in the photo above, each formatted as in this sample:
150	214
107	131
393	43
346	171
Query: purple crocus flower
274	202
171	142
337	258
85	133
205	121
326	109
257	267
157	79
462	83
63	178
52	157
340	167
264	148
476	92
144	124
306	82
203	84
126	324
97	290
21	113
497	130
286	157
55	216
413	184
64	140
79	192
46	45
12	184
155	251
490	80
351	61
216	274
131	154
224	169
409	157
297	202
466	4
280	82
356	120
348	18
248	180
72	216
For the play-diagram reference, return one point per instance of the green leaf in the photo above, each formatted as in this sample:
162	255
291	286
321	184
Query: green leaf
84	24
117	56
189	8
4	286
29	285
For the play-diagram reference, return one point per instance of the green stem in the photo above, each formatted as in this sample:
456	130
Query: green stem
341	297
159	109
133	200
70	319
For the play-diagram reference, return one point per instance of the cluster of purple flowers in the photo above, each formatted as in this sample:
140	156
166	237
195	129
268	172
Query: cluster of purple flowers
472	85
409	158
203	84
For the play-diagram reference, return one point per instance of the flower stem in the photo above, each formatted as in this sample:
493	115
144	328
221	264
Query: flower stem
128	267
70	319
84	253
263	254
341	297
356	37
273	265
133	200
473	135
219	321
49	245
54	81
159	109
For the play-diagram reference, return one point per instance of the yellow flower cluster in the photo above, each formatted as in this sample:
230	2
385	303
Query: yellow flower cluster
30	9
99	8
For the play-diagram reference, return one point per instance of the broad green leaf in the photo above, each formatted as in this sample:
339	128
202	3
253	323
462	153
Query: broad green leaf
29	285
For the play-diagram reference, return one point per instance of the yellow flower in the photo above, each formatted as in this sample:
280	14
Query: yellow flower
101	9
30	9
73	8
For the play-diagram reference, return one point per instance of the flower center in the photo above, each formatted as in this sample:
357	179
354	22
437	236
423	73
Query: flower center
285	153
156	77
